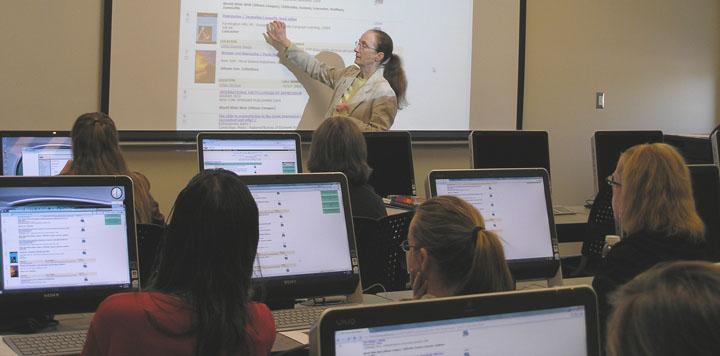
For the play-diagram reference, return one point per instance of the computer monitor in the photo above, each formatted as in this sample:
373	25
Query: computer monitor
250	153
607	146
515	203
715	140
34	153
696	149
706	191
390	156
510	149
66	242
307	245
557	321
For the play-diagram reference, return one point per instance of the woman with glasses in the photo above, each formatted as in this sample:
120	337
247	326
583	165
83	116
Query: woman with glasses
369	92
449	252
655	215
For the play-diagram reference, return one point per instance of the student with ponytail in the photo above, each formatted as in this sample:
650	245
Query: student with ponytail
449	251
369	92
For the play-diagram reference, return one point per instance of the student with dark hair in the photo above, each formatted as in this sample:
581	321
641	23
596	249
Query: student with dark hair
655	212
198	301
671	309
96	151
339	146
449	251
369	92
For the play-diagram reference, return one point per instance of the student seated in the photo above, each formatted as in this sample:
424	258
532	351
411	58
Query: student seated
96	151
671	309
198	301
655	214
339	146
449	252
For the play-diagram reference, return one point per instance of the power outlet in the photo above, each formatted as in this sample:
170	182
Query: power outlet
599	100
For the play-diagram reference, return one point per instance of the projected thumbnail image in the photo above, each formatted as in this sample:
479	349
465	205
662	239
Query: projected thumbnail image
205	67
206	28
14	272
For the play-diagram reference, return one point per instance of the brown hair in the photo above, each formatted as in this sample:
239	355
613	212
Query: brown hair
656	194
339	146
393	72
470	258
96	151
671	309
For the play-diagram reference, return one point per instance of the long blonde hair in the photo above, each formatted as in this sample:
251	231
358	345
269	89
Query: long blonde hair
470	258
656	194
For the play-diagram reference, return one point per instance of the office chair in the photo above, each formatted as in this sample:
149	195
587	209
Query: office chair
601	222
149	238
382	261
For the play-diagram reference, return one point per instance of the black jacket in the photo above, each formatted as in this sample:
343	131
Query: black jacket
365	202
635	254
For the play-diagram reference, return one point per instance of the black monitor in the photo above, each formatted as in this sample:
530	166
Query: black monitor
66	242
706	191
250	153
607	146
715	142
307	245
390	156
695	149
34	153
510	149
516	204
554	321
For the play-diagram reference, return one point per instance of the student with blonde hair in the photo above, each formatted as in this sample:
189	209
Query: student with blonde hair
449	251
671	309
655	214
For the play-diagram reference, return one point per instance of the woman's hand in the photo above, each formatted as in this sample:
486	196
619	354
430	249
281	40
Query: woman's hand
276	35
419	284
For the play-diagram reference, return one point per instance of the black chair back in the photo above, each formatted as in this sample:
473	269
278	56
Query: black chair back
382	261
149	238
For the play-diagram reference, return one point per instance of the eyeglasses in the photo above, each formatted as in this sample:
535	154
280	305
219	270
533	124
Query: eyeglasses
363	45
612	182
406	246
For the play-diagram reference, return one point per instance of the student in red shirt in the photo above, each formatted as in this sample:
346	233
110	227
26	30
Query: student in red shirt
198	301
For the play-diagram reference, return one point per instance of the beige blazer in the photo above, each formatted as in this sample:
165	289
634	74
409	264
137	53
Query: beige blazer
373	107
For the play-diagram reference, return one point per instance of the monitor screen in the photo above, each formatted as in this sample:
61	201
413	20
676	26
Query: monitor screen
515	204
529	322
250	154
521	333
63	239
607	146
305	235
390	157
510	149
35	155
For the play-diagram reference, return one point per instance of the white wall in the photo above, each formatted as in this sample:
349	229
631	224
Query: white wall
658	62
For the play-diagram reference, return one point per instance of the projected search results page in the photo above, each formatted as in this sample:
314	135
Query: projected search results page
524	333
302	230
251	156
514	208
229	78
55	237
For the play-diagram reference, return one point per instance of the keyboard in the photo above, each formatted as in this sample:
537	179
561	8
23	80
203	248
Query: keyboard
53	343
561	210
298	318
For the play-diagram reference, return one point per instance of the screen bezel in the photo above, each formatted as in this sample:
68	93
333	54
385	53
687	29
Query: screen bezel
73	299
405	138
15	134
338	319
476	136
235	135
310	285
521	269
